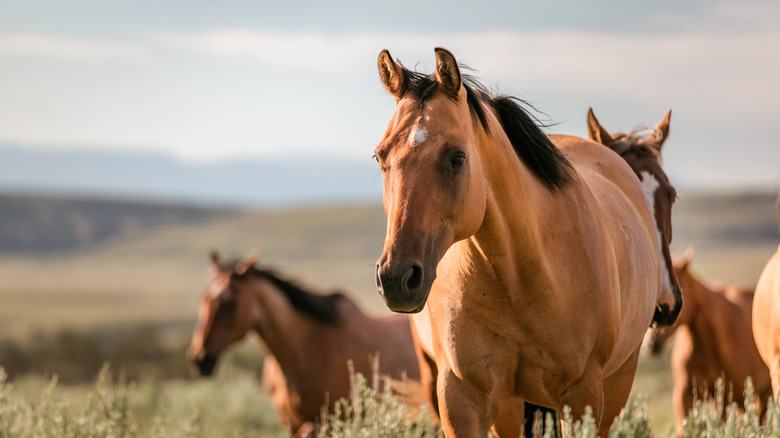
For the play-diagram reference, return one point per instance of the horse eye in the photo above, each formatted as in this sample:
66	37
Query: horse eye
456	160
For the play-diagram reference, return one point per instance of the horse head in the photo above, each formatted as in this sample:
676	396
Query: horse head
221	319
643	154
656	337
434	193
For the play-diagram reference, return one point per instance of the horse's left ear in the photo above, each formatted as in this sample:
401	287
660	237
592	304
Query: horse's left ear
595	131
447	73
243	266
687	258
658	137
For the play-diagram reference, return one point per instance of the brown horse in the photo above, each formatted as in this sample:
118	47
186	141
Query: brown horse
766	316
643	154
311	338
543	251
713	339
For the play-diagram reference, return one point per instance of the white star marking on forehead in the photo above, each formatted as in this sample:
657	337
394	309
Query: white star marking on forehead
216	288
419	133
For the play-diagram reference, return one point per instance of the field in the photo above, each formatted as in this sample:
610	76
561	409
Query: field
125	289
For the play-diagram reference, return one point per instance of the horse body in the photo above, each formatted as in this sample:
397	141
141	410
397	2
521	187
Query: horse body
310	337
766	316
544	286
713	340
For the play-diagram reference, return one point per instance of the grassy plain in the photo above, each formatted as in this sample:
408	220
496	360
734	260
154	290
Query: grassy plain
152	277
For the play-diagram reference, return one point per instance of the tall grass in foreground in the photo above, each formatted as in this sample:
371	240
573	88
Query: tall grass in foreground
230	407
374	412
236	406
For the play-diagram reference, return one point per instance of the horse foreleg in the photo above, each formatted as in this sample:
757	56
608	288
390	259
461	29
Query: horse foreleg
774	372
682	397
617	388
428	375
465	410
306	429
587	391
509	420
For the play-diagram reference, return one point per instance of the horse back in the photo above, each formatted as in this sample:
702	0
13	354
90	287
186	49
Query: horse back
599	160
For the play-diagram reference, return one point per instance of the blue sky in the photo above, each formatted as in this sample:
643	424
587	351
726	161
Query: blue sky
233	80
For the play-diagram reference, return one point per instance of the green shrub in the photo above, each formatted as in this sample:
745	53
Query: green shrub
712	418
231	406
373	411
234	405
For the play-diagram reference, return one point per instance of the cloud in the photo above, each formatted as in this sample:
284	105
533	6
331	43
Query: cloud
616	64
722	84
63	47
284	51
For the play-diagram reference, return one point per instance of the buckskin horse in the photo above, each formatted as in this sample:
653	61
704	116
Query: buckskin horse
713	339
766	315
530	264
310	338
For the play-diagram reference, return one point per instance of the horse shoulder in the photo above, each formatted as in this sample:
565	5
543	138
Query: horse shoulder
361	336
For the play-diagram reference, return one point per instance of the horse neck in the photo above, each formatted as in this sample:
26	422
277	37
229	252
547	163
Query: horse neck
713	315
284	330
510	232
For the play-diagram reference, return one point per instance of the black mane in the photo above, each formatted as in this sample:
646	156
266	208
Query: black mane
531	145
323	308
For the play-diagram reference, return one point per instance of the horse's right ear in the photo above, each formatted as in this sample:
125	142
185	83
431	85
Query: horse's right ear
214	261
244	265
392	74
595	131
448	73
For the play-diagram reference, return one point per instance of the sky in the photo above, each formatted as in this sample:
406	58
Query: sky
235	80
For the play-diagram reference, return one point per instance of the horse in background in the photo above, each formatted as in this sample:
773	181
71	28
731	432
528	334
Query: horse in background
310	338
530	263
643	154
766	315
713	339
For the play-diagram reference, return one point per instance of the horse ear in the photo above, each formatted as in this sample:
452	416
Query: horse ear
243	266
447	72
687	257
595	131
214	261
658	137
392	74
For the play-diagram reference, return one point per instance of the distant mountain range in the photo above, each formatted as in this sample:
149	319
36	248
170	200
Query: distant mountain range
251	182
44	224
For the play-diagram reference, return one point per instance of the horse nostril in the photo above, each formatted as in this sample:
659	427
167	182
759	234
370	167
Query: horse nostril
378	278
413	278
